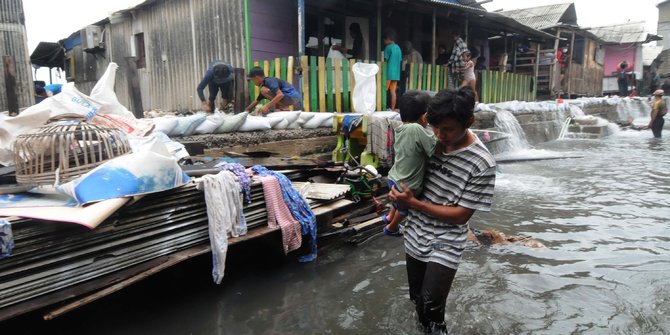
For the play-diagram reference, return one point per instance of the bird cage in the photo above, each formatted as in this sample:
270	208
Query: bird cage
58	153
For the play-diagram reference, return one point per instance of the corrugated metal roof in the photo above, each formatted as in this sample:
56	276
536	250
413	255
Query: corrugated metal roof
649	53
630	32
503	21
543	17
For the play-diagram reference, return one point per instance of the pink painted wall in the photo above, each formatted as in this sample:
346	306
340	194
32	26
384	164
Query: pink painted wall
615	54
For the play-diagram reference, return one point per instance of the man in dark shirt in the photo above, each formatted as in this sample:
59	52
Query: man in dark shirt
280	93
219	77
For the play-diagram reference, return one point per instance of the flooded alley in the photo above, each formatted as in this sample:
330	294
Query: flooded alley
603	219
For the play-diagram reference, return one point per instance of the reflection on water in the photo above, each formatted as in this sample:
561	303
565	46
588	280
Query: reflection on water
606	269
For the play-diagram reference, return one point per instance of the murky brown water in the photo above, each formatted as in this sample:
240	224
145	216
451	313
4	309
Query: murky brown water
606	269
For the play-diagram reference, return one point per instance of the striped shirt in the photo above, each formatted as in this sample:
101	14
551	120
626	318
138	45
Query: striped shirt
465	178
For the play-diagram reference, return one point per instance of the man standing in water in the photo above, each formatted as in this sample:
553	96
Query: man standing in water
459	180
658	111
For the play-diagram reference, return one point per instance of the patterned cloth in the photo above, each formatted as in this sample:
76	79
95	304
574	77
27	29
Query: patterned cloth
6	238
242	176
456	59
279	214
224	205
298	207
380	138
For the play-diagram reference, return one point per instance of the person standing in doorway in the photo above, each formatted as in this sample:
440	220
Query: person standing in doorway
359	50
393	58
658	111
622	78
442	55
219	77
409	56
459	180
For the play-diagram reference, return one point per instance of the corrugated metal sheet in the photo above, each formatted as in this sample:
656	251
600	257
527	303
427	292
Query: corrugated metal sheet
630	32
181	38
13	42
543	17
496	19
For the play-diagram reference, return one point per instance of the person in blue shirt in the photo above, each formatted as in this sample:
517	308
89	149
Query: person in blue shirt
280	93
219	77
393	58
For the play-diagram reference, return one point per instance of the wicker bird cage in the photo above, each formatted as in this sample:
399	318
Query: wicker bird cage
64	151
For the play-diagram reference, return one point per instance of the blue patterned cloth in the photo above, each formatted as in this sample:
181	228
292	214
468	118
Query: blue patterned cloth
6	239
242	177
349	123
298	207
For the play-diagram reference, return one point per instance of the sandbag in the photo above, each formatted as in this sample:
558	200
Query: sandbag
165	124
289	116
255	123
281	125
232	122
317	120
304	117
210	124
274	120
186	125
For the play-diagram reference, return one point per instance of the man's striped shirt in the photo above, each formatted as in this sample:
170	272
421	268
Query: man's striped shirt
465	178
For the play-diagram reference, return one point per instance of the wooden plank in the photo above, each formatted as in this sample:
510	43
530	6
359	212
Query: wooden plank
322	83
424	79
338	85
266	68
419	82
384	75
345	86
240	92
279	72
413	69
429	77
380	86
352	83
313	83
304	65
329	85
289	69
253	89
485	87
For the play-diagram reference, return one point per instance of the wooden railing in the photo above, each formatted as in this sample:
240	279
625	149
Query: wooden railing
327	83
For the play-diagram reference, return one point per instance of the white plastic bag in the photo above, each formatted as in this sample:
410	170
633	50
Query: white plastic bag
365	89
103	91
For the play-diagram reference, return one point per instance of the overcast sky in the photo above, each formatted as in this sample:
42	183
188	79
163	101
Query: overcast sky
50	21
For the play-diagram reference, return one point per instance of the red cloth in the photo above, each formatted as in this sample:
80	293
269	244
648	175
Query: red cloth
279	214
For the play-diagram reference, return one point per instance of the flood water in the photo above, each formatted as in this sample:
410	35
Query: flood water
605	268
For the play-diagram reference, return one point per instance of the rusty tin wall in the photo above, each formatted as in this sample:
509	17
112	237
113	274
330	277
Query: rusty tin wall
13	42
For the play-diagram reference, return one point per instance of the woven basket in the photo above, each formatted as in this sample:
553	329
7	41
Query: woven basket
62	152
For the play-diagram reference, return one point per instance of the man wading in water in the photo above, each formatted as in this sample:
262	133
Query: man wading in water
459	180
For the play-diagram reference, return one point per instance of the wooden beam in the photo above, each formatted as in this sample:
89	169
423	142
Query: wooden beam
569	70
10	84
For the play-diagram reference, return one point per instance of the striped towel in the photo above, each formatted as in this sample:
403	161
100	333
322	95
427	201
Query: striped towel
279	214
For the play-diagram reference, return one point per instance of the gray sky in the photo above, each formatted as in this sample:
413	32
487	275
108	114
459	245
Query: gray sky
50	21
